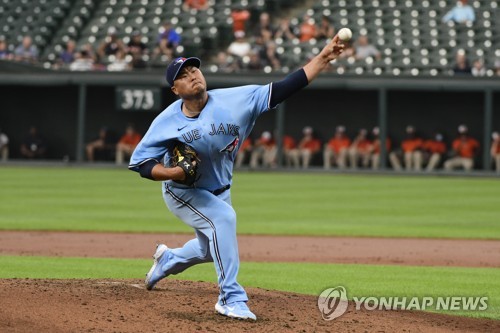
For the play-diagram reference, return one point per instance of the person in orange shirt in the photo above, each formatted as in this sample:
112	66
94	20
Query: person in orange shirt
410	151
495	150
308	146
434	149
290	151
308	29
336	149
360	150
465	149
240	16
375	148
264	151
195	4
127	143
245	149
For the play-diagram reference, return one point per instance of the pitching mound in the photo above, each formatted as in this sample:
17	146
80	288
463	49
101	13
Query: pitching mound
179	306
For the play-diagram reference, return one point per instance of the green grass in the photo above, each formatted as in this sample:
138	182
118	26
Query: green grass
36	198
359	280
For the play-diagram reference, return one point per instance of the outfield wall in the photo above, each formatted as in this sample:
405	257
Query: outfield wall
69	108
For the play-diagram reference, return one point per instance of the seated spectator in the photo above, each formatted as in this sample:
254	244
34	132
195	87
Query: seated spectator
240	47
284	31
478	68
33	146
195	4
461	13
375	148
465	149
68	55
326	29
290	151
495	150
434	150
462	64
110	45
240	17
167	41
497	67
264	151
255	63
4	50
243	152
137	50
360	150
104	142
308	146
119	62
127	144
264	28
411	152
336	150
308	29
26	51
225	63
363	49
83	61
4	146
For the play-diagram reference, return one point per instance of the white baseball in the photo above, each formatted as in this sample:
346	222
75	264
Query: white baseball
345	34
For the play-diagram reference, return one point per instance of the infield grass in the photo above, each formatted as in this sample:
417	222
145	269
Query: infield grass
305	278
93	199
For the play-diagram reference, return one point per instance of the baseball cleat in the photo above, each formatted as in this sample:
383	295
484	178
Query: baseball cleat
156	273
237	310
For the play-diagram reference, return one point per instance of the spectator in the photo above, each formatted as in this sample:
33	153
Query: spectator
326	29
167	41
434	149
110	45
240	17
290	151
497	67
461	13
195	4
462	64
127	144
363	49
255	63
308	29
83	61
360	150
478	68
68	55
337	149
137	49
375	148
243	152
225	63
4	146
26	51
308	146
33	145
119	62
264	28
284	31
4	50
264	151
465	149
240	47
495	150
410	152
104	142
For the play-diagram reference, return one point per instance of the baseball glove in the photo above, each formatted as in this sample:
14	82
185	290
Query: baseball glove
185	156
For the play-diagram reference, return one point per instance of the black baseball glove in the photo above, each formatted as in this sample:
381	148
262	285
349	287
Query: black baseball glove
186	157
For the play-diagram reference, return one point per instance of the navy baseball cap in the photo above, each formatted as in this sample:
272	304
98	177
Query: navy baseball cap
177	64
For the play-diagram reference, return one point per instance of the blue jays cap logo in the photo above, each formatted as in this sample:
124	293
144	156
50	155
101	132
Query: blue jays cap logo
177	64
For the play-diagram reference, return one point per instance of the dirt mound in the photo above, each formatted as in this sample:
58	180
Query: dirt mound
181	306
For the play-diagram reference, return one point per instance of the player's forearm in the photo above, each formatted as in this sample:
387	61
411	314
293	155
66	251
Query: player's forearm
315	66
159	172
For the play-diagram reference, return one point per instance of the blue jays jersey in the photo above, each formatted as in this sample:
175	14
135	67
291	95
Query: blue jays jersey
216	134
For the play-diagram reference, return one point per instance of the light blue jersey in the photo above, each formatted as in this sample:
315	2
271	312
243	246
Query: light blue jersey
216	135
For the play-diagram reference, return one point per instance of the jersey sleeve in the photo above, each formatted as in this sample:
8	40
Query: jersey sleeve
259	98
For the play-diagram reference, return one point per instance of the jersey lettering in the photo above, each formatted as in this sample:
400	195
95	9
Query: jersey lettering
229	129
191	136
